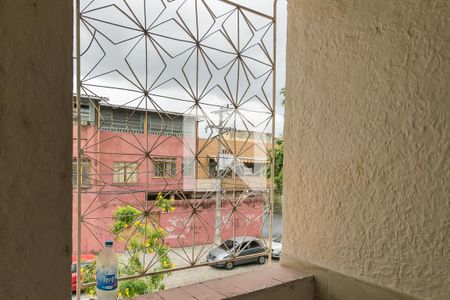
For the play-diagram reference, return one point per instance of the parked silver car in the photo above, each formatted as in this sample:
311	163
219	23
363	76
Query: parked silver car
240	246
276	247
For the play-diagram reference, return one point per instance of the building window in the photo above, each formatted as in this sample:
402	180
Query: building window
125	172
85	169
212	164
165	167
85	112
188	166
121	120
248	168
165	125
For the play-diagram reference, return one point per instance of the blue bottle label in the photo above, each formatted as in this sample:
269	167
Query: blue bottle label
106	282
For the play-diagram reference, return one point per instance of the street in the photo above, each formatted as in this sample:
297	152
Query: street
207	273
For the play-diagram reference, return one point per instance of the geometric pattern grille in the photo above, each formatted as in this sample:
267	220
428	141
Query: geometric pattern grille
174	99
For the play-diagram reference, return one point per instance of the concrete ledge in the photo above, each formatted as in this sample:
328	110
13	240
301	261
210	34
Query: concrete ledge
270	283
331	285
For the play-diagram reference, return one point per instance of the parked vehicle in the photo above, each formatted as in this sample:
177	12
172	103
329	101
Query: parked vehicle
276	247
85	260
239	247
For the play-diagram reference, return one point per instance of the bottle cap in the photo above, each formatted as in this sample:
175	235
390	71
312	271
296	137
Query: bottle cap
108	243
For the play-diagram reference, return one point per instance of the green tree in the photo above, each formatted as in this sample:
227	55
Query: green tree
278	173
279	155
142	239
278	176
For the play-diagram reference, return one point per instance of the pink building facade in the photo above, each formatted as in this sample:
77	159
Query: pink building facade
123	165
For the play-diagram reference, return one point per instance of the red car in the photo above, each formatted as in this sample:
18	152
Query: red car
85	260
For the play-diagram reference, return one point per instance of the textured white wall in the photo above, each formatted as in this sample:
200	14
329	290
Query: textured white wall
367	170
35	149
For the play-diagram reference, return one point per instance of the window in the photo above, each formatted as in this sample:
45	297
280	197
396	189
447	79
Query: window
254	244
165	125
165	167
85	112
145	122
125	172
243	246
212	164
85	169
229	244
249	168
121	120
155	124
188	166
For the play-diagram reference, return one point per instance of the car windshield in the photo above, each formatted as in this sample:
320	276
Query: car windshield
277	239
227	245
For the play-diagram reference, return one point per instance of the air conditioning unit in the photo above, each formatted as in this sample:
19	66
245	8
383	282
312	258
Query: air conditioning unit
85	123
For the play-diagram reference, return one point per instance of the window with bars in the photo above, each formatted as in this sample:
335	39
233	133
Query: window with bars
125	172
85	170
144	120
165	167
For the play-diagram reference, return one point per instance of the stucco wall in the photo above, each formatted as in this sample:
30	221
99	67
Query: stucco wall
367	163
35	149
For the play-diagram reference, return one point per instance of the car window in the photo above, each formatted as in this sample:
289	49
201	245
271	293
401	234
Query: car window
277	239
241	246
227	245
254	244
246	245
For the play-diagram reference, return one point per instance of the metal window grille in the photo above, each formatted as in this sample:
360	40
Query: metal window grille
181	79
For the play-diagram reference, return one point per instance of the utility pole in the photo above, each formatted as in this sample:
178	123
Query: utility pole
219	174
219	183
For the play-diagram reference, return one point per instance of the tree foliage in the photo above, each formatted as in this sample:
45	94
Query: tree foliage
279	155
143	237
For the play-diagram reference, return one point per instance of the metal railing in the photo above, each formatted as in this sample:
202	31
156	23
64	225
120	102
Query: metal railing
214	60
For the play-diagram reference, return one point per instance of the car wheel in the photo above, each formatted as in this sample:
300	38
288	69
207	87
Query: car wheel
261	260
229	265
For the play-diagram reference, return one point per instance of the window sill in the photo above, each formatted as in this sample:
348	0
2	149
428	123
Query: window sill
275	282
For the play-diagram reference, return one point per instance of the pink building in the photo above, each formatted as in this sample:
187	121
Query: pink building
122	165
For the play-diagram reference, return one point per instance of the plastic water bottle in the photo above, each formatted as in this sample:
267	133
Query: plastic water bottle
106	273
